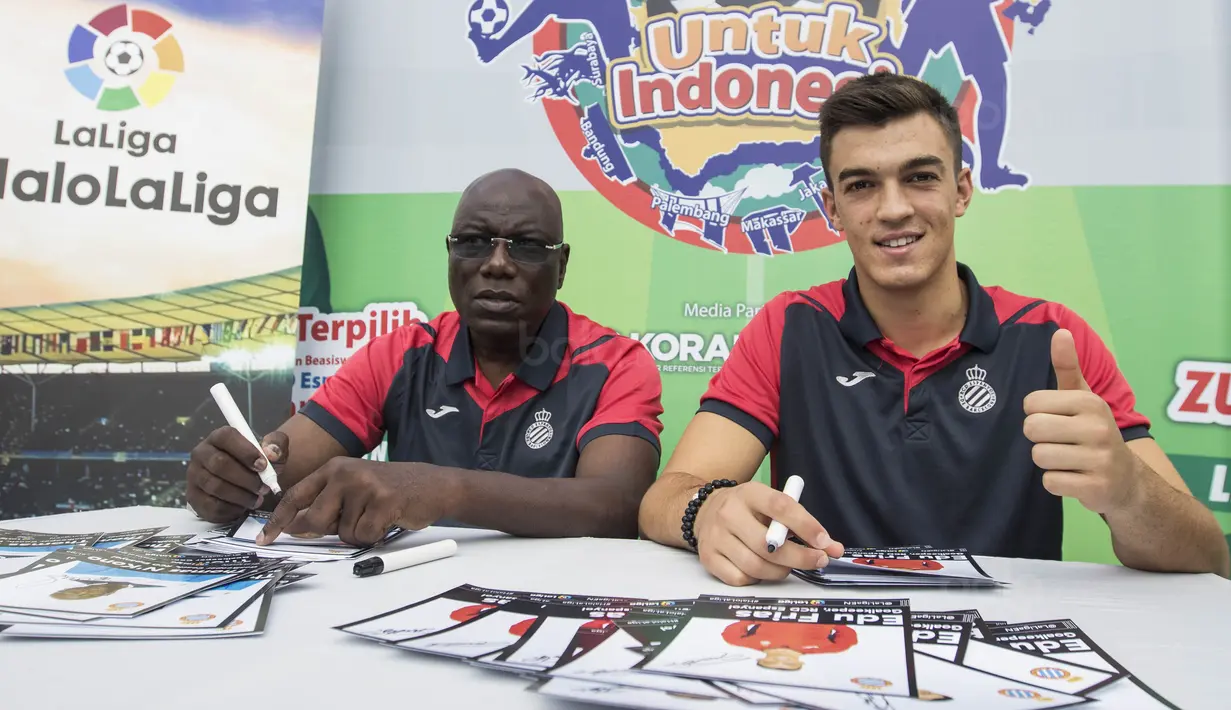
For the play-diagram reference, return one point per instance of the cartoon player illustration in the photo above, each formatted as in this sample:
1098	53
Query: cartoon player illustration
610	19
983	51
785	643
919	565
94	590
555	73
468	613
520	628
589	635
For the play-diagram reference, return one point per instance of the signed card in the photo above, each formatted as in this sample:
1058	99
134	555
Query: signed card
552	635
494	631
432	615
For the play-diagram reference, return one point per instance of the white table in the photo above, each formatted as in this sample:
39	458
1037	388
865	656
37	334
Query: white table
1172	631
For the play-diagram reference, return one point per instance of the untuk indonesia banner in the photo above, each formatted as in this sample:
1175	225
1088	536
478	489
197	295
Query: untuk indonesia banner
681	135
154	171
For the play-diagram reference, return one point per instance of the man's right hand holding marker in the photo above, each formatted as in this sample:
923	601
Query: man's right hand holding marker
730	531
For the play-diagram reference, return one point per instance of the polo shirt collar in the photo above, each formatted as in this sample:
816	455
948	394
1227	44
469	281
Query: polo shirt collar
542	360
981	330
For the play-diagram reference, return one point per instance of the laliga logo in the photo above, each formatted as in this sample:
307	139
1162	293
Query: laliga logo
698	118
114	53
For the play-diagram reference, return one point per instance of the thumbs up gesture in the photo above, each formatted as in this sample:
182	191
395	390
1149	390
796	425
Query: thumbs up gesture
1076	440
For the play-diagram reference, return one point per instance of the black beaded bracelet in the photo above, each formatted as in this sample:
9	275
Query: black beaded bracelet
690	513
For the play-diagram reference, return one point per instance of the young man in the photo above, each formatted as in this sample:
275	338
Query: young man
511	413
918	406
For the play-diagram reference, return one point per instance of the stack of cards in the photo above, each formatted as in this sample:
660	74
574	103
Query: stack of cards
241	536
901	567
131	584
732	652
26	543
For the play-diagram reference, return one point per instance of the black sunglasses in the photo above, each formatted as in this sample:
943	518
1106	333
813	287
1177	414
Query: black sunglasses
481	246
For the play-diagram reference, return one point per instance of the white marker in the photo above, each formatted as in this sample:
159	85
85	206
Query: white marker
775	537
231	411
405	558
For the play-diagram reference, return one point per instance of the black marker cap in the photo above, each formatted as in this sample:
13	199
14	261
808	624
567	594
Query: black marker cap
369	567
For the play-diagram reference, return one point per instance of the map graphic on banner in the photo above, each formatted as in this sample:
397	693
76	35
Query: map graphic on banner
681	137
698	118
154	173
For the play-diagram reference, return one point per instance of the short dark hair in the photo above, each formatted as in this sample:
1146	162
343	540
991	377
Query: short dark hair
876	99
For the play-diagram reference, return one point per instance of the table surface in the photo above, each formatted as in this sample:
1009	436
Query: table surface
1172	631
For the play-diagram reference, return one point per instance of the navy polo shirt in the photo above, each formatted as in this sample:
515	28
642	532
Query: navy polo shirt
419	386
899	450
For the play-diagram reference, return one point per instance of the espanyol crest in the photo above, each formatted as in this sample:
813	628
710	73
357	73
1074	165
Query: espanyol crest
976	396
539	433
698	118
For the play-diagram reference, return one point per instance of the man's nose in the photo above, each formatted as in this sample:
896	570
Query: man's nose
499	263
894	205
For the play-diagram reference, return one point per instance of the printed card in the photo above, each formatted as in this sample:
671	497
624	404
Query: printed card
167	543
1063	639
941	634
957	687
249	621
1048	673
432	615
248	529
1058	638
851	645
116	582
611	656
915	567
632	697
552	635
126	538
24	543
494	631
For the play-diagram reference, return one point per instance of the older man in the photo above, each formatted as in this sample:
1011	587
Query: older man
512	412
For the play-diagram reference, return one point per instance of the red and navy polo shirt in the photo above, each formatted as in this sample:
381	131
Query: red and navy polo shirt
899	450
419	385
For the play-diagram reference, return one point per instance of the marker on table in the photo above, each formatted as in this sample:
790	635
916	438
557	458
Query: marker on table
231	411
392	561
775	537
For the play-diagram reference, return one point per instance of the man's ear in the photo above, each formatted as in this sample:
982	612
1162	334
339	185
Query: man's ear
563	267
831	207
965	190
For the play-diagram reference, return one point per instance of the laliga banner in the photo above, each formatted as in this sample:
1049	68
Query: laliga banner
159	147
682	138
154	171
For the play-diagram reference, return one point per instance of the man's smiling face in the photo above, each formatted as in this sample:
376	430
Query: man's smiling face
895	196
